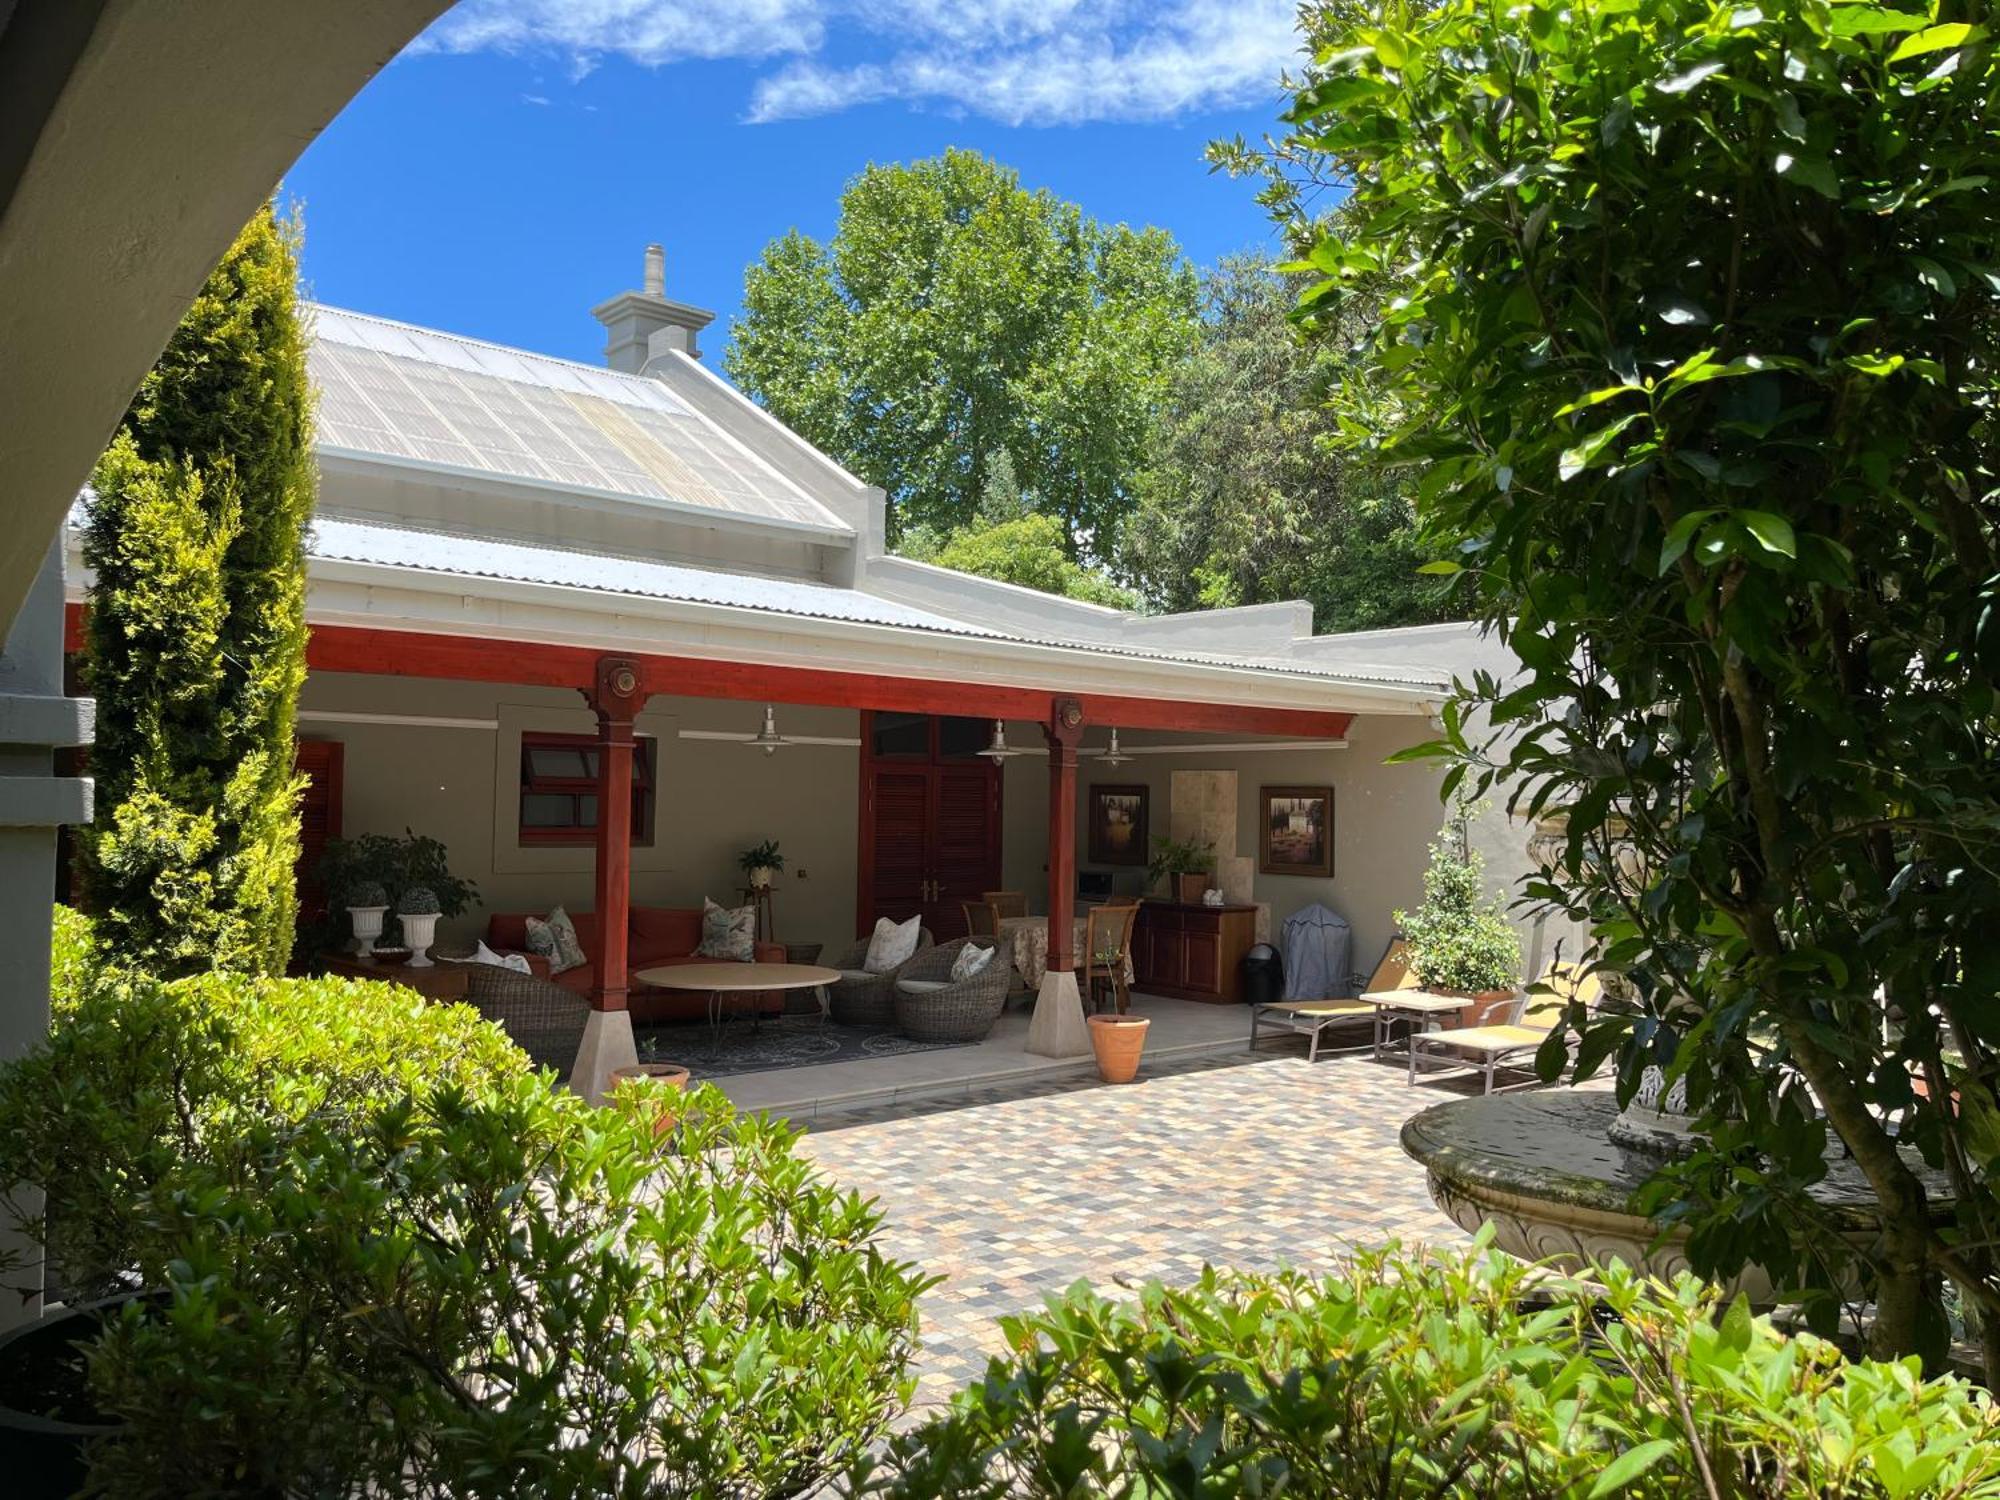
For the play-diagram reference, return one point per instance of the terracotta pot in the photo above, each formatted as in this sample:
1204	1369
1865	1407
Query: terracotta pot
1482	1007
1118	1041
673	1075
1188	888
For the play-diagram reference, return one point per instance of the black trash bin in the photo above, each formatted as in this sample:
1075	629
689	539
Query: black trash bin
1263	975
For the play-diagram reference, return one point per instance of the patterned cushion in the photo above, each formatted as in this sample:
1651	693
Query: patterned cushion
555	939
971	959
726	933
891	945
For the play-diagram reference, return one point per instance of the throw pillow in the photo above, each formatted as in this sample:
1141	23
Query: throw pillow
971	960
891	945
726	933
555	939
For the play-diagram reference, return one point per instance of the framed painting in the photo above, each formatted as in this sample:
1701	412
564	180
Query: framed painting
1295	830
1117	825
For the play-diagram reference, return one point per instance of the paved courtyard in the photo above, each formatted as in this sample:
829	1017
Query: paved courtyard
1250	1161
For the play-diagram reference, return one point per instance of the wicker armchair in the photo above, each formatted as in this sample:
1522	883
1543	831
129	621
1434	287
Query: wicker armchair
859	998
932	1007
544	1020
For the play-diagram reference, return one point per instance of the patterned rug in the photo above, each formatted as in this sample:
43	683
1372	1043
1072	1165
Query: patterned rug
779	1042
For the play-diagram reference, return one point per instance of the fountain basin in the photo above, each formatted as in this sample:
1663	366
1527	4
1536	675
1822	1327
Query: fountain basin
1544	1172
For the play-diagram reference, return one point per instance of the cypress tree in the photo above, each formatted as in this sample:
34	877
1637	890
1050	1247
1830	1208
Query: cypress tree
196	649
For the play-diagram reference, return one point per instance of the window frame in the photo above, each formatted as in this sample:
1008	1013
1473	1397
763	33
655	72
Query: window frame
578	834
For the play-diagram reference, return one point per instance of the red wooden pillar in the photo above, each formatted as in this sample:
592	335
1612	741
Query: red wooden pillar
617	698
1064	732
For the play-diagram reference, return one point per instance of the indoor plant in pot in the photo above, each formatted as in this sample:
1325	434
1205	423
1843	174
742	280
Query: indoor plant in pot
1185	864
761	863
1461	942
366	903
417	913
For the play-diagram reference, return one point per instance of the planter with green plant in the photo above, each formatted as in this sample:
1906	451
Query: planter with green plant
1184	864
1461	942
385	866
417	913
367	903
761	863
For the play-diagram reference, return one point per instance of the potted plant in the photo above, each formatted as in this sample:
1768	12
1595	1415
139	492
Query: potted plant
1118	1041
761	863
1184	862
392	864
671	1076
366	902
417	913
1461	942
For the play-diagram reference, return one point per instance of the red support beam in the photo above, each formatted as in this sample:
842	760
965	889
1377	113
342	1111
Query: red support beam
617	698
348	648
1064	732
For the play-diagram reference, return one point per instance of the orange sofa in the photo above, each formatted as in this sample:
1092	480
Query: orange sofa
659	936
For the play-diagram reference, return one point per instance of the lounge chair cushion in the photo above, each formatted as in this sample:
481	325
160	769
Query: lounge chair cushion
1319	1009
922	986
1488	1038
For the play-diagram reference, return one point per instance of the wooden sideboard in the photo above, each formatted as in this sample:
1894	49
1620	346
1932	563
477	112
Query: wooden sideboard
1190	951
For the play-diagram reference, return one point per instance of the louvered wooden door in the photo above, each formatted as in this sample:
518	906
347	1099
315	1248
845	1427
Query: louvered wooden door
320	762
930	824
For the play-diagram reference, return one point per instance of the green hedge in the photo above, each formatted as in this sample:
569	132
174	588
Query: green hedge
400	1262
1408	1376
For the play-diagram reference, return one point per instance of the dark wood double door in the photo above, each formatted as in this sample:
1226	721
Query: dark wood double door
930	819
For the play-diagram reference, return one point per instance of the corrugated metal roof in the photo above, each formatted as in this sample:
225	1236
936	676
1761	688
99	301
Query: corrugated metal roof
397	391
436	552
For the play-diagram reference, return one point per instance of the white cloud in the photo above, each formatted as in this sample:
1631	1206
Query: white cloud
1019	61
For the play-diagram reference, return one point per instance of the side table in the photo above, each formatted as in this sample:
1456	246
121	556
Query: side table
759	896
440	981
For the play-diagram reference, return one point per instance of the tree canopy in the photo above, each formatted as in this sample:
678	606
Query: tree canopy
1692	334
1245	497
955	315
196	644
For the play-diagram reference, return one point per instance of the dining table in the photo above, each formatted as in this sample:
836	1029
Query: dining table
1026	940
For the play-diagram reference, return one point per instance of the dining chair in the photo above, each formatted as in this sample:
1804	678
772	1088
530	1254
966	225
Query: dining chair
1007	903
982	918
1107	951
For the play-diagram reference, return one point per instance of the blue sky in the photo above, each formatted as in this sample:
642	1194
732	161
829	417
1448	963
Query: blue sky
504	175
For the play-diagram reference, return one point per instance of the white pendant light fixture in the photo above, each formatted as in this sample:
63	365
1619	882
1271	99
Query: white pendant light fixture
999	749
768	739
1113	756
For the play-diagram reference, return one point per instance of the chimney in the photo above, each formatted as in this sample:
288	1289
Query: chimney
642	329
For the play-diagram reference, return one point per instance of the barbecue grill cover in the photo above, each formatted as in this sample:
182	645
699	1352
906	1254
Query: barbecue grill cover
1319	954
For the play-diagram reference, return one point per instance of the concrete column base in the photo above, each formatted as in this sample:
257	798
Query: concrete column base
607	1044
1057	1028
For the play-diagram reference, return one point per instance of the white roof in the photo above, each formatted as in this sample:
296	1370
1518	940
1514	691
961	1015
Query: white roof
395	391
424	551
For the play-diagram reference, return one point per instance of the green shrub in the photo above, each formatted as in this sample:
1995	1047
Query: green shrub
196	634
398	1262
1460	938
1409	1376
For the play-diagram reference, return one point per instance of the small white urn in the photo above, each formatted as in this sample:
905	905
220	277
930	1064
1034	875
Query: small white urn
419	932
367	922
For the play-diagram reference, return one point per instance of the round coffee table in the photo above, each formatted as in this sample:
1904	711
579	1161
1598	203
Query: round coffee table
724	981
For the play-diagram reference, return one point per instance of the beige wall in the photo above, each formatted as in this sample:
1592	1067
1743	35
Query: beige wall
715	797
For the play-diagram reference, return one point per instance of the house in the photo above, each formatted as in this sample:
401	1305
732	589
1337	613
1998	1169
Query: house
551	601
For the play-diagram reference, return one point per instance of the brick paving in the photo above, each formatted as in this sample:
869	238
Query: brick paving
1250	1161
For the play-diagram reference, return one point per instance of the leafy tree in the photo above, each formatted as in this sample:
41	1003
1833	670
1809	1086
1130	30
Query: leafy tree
954	315
1026	549
1694	334
197	629
1245	498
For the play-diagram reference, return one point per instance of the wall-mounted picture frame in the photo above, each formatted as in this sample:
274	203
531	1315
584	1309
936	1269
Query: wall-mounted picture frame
1295	830
1117	824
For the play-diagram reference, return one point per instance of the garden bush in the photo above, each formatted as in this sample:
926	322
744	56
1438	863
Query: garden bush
1468	1375
395	1260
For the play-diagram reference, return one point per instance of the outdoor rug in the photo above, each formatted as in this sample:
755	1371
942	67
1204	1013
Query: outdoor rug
779	1042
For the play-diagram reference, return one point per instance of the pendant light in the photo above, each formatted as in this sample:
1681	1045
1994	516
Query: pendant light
768	739
999	749
1113	756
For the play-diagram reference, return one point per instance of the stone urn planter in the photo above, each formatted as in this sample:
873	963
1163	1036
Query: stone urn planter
367	922
48	1418
1118	1041
673	1075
